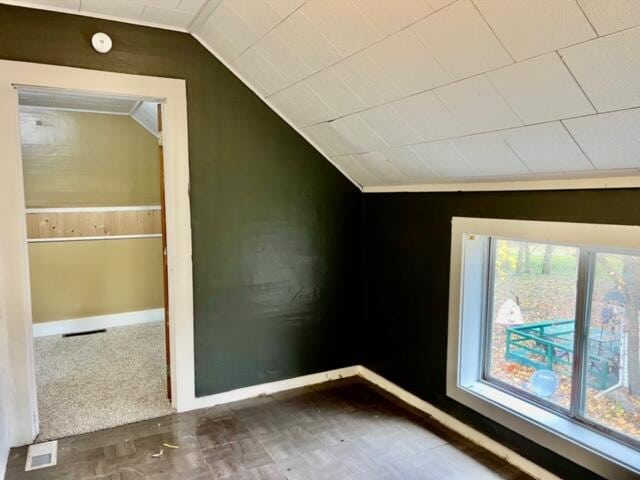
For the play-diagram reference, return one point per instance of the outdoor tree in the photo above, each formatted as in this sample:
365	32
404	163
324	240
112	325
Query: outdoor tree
546	260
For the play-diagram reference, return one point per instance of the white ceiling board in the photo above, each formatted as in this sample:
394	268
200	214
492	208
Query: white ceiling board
357	136
342	23
461	41
489	155
356	169
114	8
335	92
387	20
427	115
541	89
307	43
275	48
444	160
528	28
377	164
438	4
477	105
406	161
408	63
226	32
364	76
390	126
191	6
165	16
68	4
610	140
302	105
609	16
259	72
608	69
328	140
285	7
547	148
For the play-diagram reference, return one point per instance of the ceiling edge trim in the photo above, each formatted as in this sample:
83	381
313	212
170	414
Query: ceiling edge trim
276	110
631	180
50	8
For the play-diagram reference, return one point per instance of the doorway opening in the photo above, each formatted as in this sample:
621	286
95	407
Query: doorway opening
96	240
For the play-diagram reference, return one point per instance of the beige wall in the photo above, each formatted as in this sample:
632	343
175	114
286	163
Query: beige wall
97	277
76	159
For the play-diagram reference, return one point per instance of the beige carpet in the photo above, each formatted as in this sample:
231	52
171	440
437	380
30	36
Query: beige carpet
92	382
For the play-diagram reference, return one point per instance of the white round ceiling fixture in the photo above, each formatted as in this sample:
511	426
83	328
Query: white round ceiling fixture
101	42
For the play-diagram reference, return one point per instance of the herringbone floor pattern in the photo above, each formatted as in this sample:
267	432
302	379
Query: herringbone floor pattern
343	430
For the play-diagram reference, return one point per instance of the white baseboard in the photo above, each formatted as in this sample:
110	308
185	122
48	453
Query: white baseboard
452	423
441	417
273	387
78	325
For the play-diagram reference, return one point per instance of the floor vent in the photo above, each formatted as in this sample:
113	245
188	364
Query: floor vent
89	332
42	455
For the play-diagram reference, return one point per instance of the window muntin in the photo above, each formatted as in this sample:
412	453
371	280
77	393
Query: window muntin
538	307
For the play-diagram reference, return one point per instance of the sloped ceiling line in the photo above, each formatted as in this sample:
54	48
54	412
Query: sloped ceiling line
436	91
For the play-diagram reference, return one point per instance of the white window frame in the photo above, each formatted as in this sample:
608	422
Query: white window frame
467	303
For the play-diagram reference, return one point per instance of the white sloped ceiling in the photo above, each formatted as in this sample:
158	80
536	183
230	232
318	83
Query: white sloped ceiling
433	91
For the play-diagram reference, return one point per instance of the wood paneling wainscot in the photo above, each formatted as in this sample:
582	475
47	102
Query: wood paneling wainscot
68	223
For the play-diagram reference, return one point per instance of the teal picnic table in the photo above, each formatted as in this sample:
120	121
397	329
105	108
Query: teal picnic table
549	344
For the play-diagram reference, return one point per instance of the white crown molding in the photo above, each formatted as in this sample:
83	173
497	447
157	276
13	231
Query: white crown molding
631	180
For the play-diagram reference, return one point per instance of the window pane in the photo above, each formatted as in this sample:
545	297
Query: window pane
533	318
613	363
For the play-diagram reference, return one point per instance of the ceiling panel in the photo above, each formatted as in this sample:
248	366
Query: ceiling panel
419	91
71	101
390	126
444	160
547	148
342	23
610	140
489	155
408	63
611	15
410	164
427	115
541	89
460	40
477	105
388	20
528	28
608	69
364	76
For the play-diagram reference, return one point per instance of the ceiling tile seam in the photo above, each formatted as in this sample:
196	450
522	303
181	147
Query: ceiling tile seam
483	132
507	102
277	111
203	14
432	89
406	121
425	163
578	145
426	47
261	37
343	59
575	79
584	14
466	160
367	19
504	47
513	150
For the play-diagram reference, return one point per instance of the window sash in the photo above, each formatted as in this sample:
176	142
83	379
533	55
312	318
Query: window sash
584	289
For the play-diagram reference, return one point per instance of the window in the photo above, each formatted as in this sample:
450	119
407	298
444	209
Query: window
545	336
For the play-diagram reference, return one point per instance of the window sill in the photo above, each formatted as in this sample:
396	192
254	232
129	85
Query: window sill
560	434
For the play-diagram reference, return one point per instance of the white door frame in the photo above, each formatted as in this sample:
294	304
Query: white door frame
15	297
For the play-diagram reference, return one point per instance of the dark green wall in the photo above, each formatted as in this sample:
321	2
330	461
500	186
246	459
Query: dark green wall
407	248
276	228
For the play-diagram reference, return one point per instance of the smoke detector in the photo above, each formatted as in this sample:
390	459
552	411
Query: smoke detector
101	42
